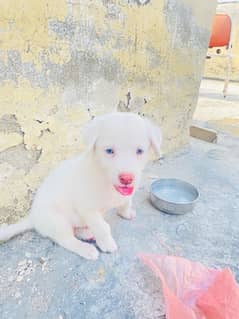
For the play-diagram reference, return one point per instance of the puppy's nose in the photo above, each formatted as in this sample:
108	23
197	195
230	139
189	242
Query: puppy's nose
126	178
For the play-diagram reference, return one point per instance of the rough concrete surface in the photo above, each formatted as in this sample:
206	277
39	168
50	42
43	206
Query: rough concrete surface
215	111
39	279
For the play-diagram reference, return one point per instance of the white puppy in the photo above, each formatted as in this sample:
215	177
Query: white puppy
77	193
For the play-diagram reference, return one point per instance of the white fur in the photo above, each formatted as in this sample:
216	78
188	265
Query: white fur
78	192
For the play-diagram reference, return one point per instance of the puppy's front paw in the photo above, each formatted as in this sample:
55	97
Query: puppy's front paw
107	244
84	233
127	214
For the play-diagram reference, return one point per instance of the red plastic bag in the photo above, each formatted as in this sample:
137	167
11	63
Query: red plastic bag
192	291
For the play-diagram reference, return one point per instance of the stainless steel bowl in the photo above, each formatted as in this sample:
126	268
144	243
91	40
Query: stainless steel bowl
173	196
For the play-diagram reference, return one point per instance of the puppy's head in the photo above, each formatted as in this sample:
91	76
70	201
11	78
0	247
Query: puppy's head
121	143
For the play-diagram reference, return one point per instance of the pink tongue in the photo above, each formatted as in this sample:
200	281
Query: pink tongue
124	190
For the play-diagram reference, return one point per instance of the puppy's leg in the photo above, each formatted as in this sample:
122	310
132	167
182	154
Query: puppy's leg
76	246
83	233
60	230
126	211
101	231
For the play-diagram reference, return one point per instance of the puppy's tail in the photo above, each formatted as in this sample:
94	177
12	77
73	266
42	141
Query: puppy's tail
9	231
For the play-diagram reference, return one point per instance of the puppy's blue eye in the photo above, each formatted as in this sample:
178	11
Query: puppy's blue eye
139	151
110	151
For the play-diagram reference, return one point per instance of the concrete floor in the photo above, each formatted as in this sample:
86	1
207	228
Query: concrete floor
216	112
41	280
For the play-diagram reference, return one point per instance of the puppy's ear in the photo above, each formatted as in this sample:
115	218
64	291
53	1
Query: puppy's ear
90	132
155	136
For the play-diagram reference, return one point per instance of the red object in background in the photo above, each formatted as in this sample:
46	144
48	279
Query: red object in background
221	31
193	291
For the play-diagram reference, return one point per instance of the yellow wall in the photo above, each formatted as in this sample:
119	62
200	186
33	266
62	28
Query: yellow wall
216	67
58	58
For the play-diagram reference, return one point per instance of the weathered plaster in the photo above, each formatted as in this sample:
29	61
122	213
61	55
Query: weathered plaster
60	58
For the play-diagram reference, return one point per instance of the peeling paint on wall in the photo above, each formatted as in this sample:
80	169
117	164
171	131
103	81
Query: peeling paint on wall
63	61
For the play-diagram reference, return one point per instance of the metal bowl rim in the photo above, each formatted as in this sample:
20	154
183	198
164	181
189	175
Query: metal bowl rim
177	180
